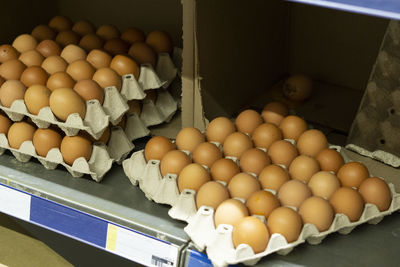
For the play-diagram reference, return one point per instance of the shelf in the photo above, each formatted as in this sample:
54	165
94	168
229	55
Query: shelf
383	8
112	215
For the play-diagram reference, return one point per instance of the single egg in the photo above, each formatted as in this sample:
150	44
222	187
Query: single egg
297	87
106	77
317	211
83	27
89	89
236	144
48	48
99	59
43	32
192	176
211	194
7	52
218	129
60	23
151	95
292	127
31	58
5	124
24	42
1	81
143	53
116	46
72	53
274	112
251	231
91	41
282	152
254	160
65	101
124	65
54	64
243	185
10	91
248	120
133	35
12	69
330	160
189	138
230	212
60	80
265	134
20	132
173	162
285	221
135	106
352	174
206	154
324	184
160	41
311	142
348	201
74	147
46	139
262	203
80	70
224	169
273	177
376	191
37	97
157	147
303	167
293	193
108	31
34	75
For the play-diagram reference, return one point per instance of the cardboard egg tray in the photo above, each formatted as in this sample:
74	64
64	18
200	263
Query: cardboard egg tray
218	241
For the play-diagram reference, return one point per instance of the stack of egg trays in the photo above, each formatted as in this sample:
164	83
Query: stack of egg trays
218	241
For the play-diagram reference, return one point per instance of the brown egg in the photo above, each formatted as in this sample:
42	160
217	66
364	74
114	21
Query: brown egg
157	147
1	81
72	53
46	139
34	75
89	89
10	91
54	64
105	136
122	123
248	120
116	46
273	177
293	193
282	152
135	107
251	231
292	127
224	169
43	32
330	160
108	31
303	167
65	101
124	65
311	142
74	147
48	48
274	112
20	132
317	211
352	174
7	52
211	194
262	203
189	138
60	80
36	97
297	87
12	69
133	35
106	77
243	185
230	212
143	53
60	23
348	201
206	154
192	176
91	41
5	124
99	59
218	129
151	95
254	160
80	70
265	134
324	184
160	41
285	221
173	162
83	27
31	58
236	144
24	42
376	191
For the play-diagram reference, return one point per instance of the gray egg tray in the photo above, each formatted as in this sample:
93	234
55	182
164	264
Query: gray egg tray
218	241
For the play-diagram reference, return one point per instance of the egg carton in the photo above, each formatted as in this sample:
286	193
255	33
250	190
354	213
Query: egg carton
218	241
98	165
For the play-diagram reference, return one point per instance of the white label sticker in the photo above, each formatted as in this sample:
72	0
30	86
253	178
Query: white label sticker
140	248
15	203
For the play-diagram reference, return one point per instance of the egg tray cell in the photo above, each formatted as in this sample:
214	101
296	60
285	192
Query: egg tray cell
115	105
218	241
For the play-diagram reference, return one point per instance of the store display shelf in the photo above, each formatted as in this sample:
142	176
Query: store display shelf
384	8
112	215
